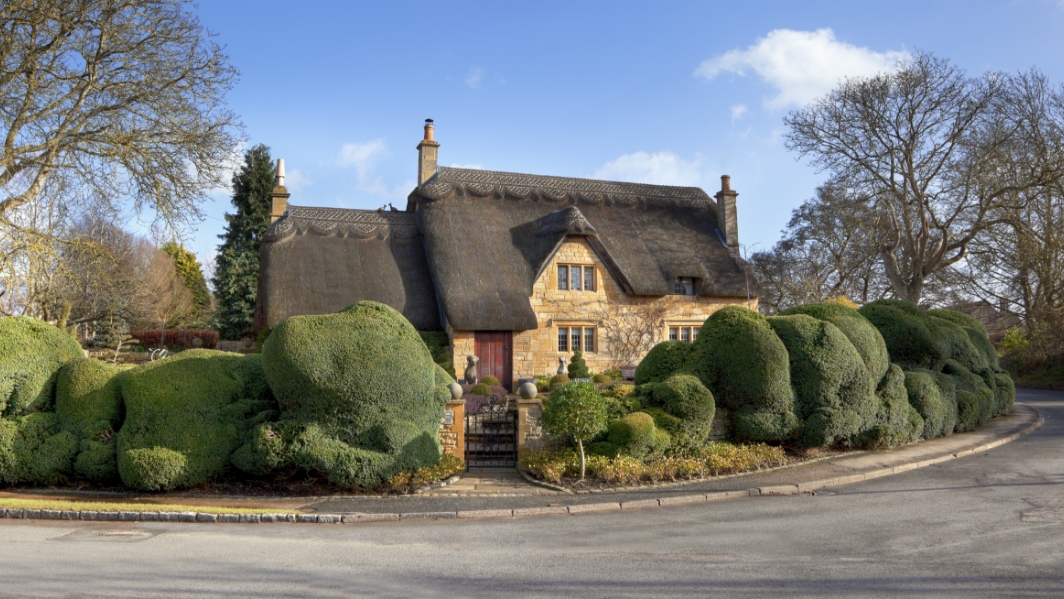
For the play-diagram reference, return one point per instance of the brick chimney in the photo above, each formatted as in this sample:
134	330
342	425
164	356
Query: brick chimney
426	154
726	212
279	196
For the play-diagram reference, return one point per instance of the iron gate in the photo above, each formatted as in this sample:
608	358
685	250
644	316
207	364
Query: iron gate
490	434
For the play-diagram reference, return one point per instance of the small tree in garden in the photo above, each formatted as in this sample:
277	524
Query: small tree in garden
578	411
578	367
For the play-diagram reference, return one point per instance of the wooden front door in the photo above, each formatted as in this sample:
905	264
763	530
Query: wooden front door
495	350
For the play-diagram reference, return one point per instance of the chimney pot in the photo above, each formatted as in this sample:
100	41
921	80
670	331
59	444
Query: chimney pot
429	130
280	172
726	216
427	154
725	183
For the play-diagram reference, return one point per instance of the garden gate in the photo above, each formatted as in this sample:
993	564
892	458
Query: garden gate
490	433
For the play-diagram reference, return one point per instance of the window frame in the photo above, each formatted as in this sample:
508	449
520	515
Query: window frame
577	333
577	277
683	281
563	337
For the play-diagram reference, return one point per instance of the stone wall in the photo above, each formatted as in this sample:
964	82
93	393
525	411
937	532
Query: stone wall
452	435
608	309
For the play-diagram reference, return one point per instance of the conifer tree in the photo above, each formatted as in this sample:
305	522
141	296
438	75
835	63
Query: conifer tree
236	273
191	274
578	367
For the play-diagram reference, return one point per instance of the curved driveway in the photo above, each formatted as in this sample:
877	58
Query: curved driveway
991	524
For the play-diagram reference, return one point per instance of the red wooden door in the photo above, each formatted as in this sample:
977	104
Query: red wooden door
495	350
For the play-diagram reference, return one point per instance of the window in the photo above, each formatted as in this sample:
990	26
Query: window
685	286
576	339
573	277
685	334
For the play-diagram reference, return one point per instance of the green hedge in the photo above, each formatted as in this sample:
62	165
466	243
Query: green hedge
896	420
89	404
358	394
862	334
835	394
197	404
741	360
905	328
636	435
34	451
662	361
685	398
31	353
439	345
933	400
975	400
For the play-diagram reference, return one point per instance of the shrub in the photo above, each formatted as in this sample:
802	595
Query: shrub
87	399
1015	341
937	408
662	361
34	451
439	345
611	374
975	400
908	334
177	338
195	404
31	353
96	459
542	383
620	401
835	394
558	380
637	436
687	399
578	367
489	381
739	357
358	389
1004	393
261	337
895	420
577	411
864	336
599	378
480	389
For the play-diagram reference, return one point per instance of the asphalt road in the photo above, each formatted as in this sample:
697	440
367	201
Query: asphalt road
988	525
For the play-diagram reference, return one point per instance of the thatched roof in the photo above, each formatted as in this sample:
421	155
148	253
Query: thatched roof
322	260
489	235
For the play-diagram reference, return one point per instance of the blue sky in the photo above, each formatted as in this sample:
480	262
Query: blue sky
659	92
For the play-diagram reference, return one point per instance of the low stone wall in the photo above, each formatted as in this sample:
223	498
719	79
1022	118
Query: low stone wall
452	428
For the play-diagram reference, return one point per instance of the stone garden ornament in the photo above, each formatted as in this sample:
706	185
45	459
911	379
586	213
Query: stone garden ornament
471	370
561	365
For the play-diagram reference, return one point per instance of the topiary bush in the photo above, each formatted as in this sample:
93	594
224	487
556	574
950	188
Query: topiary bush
89	404
490	381
936	405
578	367
34	451
357	391
739	357
835	394
439	345
895	421
31	353
480	389
908	336
975	400
197	404
662	361
864	336
637	436
687	400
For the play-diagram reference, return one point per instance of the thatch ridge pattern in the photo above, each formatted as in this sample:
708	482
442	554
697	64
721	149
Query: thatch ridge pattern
343	222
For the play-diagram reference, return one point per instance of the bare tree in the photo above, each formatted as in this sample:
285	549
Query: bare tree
628	330
936	152
109	100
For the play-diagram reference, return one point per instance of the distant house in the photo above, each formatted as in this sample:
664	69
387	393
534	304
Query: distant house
518	269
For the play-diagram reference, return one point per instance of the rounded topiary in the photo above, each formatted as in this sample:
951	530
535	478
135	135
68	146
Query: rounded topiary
197	404
835	394
578	367
937	408
739	357
636	435
364	379
1004	392
87	398
895	420
558	380
600	378
489	381
907	333
864	336
686	398
662	361
975	400
35	451
480	389
31	353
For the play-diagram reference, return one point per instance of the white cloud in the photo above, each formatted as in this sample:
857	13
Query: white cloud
362	156
738	110
475	76
661	168
478	167
296	180
801	65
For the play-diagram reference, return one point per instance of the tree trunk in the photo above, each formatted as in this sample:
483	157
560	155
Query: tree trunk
583	462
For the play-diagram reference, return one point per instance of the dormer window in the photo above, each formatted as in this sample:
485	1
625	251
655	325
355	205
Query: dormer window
685	286
576	277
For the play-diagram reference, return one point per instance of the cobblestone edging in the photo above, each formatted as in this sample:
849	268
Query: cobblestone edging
695	498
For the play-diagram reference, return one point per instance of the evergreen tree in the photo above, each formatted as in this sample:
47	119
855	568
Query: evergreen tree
236	273
191	274
578	367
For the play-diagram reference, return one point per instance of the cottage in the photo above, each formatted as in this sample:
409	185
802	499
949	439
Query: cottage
519	270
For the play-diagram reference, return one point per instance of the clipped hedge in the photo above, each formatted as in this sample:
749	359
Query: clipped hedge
180	338
896	420
636	435
921	340
196	405
31	353
662	361
739	357
862	334
34	451
89	404
358	393
933	400
439	345
685	398
835	394
975	400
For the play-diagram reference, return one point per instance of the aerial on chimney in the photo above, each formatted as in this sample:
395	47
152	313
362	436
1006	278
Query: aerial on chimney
427	154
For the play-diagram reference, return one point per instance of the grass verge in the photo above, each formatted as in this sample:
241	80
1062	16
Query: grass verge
102	506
